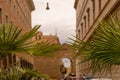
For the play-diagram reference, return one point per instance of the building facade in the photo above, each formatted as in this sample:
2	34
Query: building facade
17	12
88	15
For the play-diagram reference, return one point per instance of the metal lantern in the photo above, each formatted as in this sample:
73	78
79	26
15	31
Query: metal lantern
47	8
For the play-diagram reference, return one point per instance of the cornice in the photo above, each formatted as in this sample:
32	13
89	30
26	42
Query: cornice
31	5
76	3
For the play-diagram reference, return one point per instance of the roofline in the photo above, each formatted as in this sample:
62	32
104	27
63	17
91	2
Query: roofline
76	3
32	5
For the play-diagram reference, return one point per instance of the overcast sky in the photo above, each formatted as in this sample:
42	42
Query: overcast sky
59	19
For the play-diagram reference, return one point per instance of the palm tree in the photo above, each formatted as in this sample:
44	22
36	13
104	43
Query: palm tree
21	74
103	50
12	40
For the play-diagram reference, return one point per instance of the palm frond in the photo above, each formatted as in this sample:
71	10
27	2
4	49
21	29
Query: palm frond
44	49
21	74
104	49
13	40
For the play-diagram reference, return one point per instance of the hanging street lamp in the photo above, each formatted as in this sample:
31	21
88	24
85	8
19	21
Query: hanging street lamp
47	7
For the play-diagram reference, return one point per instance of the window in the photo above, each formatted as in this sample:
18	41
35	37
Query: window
99	5
21	62
78	33
17	13
0	16
14	59
38	37
82	30
6	19
10	59
93	1
88	14
11	22
14	10
85	24
5	63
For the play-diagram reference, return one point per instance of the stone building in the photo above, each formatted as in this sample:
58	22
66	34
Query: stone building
88	15
17	12
50	65
53	39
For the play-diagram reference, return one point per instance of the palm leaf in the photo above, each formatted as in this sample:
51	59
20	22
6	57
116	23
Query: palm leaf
12	40
104	48
44	49
21	74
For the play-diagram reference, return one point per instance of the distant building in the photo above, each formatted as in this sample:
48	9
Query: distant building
88	15
51	64
53	39
17	12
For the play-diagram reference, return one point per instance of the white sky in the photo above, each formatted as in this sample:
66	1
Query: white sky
60	18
